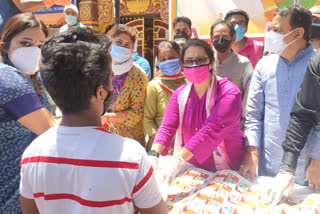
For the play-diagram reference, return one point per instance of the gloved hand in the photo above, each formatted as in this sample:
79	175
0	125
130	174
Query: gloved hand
50	3
169	173
154	161
283	181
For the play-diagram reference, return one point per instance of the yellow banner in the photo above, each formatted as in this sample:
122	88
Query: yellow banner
204	13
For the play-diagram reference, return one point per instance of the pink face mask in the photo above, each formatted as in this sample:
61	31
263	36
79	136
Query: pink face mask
197	74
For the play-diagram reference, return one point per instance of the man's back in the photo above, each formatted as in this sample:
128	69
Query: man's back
87	170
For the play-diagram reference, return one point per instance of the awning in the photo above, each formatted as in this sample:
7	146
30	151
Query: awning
51	18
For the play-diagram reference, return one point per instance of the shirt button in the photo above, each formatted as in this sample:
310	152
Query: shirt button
222	126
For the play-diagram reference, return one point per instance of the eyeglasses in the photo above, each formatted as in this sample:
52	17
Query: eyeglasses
197	61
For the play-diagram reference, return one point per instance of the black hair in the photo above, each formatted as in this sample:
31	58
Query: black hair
182	19
197	43
228	24
237	12
73	65
299	17
169	44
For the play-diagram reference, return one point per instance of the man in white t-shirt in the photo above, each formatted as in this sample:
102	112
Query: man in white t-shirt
78	167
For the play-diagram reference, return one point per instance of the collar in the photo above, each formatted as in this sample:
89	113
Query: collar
136	57
305	52
249	43
230	56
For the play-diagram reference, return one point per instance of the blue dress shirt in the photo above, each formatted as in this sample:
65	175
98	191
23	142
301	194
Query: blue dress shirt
272	93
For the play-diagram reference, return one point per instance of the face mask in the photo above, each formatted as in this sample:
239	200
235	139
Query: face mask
239	32
71	20
315	31
221	45
197	74
122	68
107	102
181	35
170	67
274	43
26	59
120	54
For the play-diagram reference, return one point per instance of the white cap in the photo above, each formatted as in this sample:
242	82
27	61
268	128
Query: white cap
315	11
71	6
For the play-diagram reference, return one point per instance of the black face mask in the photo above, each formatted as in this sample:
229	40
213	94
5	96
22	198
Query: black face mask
181	35
221	45
107	102
315	32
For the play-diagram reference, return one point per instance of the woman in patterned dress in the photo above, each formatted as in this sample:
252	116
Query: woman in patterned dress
24	106
129	83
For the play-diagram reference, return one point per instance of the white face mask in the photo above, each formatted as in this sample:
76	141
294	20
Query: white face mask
274	43
26	59
119	69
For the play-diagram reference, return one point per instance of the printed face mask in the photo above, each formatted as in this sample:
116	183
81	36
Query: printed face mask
170	67
71	20
221	45
239	32
26	59
120	54
197	74
274	43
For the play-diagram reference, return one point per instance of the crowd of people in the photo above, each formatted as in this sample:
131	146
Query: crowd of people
233	104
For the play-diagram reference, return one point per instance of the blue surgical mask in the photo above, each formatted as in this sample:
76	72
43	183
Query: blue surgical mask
170	67
120	54
71	20
239	32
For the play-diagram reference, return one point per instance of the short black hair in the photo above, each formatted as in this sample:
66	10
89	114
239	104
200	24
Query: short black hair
197	43
73	65
228	24
299	17
182	19
237	12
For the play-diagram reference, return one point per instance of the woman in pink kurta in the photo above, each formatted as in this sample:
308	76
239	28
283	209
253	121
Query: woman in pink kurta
209	124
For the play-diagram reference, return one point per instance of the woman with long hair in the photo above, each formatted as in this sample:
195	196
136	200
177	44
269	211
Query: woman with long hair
24	107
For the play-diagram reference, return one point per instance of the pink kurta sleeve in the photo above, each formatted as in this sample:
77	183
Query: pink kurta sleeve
223	122
170	122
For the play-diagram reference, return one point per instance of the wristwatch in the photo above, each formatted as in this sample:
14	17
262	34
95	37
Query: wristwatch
154	153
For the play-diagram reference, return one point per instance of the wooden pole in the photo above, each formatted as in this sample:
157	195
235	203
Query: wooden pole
116	4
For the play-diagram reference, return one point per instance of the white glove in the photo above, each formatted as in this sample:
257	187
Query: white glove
154	161
170	172
283	181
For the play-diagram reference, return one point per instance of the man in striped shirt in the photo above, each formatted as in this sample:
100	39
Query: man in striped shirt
78	167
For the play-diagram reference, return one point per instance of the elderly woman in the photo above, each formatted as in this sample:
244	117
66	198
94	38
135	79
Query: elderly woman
160	89
24	105
205	113
129	83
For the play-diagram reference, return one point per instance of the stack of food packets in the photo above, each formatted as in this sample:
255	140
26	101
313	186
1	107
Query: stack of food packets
199	191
